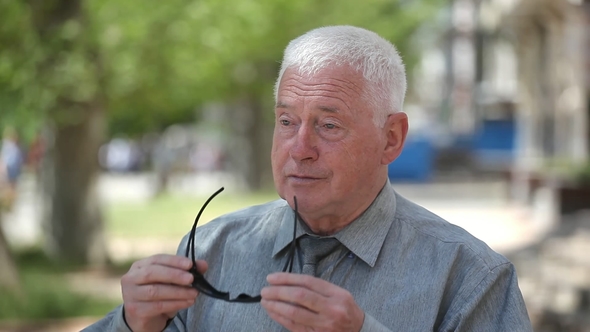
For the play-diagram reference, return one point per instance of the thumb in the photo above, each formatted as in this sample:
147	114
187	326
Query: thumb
202	266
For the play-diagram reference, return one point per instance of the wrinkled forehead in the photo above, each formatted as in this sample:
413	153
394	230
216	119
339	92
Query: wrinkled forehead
329	85
337	75
336	89
314	64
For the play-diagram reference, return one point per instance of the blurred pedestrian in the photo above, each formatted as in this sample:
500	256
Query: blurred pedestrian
11	163
35	154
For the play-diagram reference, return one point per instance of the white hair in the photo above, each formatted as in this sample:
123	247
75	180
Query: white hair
362	50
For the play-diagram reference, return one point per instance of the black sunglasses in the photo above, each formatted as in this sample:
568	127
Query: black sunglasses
204	287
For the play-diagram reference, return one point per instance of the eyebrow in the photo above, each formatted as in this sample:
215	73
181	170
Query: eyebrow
328	109
280	104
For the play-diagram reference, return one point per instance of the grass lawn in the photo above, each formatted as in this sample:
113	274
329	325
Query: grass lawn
46	293
173	215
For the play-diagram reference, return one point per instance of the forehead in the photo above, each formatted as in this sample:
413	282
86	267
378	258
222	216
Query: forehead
335	84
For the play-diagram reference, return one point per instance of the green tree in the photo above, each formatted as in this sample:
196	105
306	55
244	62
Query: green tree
73	65
169	60
53	73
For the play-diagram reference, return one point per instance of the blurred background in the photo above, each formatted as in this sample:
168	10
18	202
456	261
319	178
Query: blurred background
119	118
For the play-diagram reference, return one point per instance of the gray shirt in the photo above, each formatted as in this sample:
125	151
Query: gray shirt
408	269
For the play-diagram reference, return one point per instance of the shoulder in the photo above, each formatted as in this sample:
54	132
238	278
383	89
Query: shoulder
436	234
256	214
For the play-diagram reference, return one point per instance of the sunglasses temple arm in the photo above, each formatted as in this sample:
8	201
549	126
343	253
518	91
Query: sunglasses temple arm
293	243
191	241
190	247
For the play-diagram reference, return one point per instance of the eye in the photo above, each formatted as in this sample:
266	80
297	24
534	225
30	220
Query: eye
284	122
330	126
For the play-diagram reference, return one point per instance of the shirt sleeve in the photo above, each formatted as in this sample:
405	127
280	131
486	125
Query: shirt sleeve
372	325
495	304
112	322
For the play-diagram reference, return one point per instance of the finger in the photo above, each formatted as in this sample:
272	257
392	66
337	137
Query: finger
297	295
287	323
161	274
317	285
154	309
290	314
179	262
160	292
202	266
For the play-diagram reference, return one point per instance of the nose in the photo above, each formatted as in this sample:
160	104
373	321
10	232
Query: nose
304	146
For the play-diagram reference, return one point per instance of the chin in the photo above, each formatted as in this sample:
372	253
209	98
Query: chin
305	203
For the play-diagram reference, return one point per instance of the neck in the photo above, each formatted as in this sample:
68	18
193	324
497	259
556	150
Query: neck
330	223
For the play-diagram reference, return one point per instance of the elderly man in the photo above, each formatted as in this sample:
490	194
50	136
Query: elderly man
362	257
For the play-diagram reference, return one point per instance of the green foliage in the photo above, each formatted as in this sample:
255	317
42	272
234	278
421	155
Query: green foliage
46	293
165	60
48	297
20	94
565	169
583	173
162	60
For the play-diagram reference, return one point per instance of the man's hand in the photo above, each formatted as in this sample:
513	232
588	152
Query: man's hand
155	289
304	303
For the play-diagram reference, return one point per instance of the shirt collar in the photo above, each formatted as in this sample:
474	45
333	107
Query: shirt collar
364	237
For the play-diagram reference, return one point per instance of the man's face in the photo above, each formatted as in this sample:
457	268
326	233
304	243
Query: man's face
326	149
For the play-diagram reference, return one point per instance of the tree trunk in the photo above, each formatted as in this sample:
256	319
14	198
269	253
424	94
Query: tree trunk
74	228
586	8
9	278
75	231
250	150
259	155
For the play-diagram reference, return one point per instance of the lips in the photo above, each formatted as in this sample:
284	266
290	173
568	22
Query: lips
303	179
303	176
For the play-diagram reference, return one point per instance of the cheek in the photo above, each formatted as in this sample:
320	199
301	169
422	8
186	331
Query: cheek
360	159
274	158
278	153
343	160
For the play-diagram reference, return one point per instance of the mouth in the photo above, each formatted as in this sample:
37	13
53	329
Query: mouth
302	178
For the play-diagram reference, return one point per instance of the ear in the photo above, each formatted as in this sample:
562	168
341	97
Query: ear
396	130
